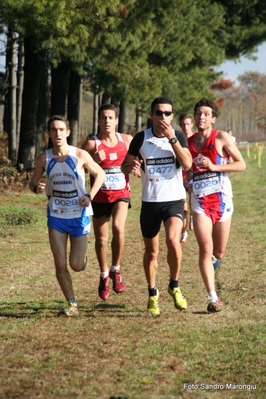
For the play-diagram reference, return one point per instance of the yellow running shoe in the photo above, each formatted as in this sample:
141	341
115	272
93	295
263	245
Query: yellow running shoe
72	309
153	306
179	300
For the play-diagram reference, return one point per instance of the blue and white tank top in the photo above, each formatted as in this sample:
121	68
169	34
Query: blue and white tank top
65	185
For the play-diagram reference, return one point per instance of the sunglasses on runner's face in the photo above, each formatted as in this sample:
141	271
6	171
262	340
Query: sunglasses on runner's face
160	113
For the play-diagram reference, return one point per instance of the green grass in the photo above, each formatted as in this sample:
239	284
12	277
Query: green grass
114	349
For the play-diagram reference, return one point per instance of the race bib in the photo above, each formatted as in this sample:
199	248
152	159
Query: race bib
205	184
115	179
66	202
160	169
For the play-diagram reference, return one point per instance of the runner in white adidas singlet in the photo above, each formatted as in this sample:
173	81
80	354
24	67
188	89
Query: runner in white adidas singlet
161	153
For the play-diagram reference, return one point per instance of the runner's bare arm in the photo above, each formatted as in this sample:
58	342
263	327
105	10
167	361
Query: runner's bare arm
34	185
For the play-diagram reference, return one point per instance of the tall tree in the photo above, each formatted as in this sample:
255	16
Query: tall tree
11	115
59	89
32	74
75	86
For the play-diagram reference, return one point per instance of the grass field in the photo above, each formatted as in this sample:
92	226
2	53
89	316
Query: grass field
114	349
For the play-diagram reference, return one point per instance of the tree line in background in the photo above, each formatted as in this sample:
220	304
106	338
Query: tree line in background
243	107
126	52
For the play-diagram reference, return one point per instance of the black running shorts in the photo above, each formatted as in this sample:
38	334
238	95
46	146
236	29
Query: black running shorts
105	209
153	213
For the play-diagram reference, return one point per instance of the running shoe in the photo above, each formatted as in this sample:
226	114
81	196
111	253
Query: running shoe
215	262
184	237
103	288
179	300
72	309
118	285
153	305
213	305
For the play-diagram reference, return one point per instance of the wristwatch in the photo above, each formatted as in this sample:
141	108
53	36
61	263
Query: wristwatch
173	140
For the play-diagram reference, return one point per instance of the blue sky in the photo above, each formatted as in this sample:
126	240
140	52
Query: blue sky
231	70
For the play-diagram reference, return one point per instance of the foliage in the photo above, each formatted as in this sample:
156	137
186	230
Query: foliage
245	23
12	177
132	47
132	50
60	27
14	218
156	63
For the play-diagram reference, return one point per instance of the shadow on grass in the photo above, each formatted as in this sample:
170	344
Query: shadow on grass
110	310
118	397
53	309
18	310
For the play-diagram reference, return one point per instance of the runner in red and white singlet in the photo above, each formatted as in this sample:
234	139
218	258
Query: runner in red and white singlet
211	198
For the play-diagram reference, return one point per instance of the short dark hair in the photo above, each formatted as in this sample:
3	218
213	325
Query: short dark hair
185	116
57	118
206	102
106	107
160	100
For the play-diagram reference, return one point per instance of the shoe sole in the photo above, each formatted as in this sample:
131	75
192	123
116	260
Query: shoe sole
118	291
153	314
71	314
104	299
213	308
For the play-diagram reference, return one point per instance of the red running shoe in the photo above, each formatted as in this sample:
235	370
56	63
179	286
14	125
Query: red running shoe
213	306
104	288
118	285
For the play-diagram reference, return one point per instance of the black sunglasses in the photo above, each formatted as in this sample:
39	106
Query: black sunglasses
160	113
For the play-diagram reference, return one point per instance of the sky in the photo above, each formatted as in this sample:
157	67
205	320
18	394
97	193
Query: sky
231	69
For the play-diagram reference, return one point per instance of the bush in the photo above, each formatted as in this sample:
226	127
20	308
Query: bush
17	218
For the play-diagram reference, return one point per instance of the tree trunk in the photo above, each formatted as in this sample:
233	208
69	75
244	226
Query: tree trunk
41	139
81	132
20	80
10	114
59	88
106	98
96	104
122	117
138	120
6	124
30	97
73	106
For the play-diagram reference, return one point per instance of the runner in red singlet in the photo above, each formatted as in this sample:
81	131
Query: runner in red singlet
108	149
211	198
